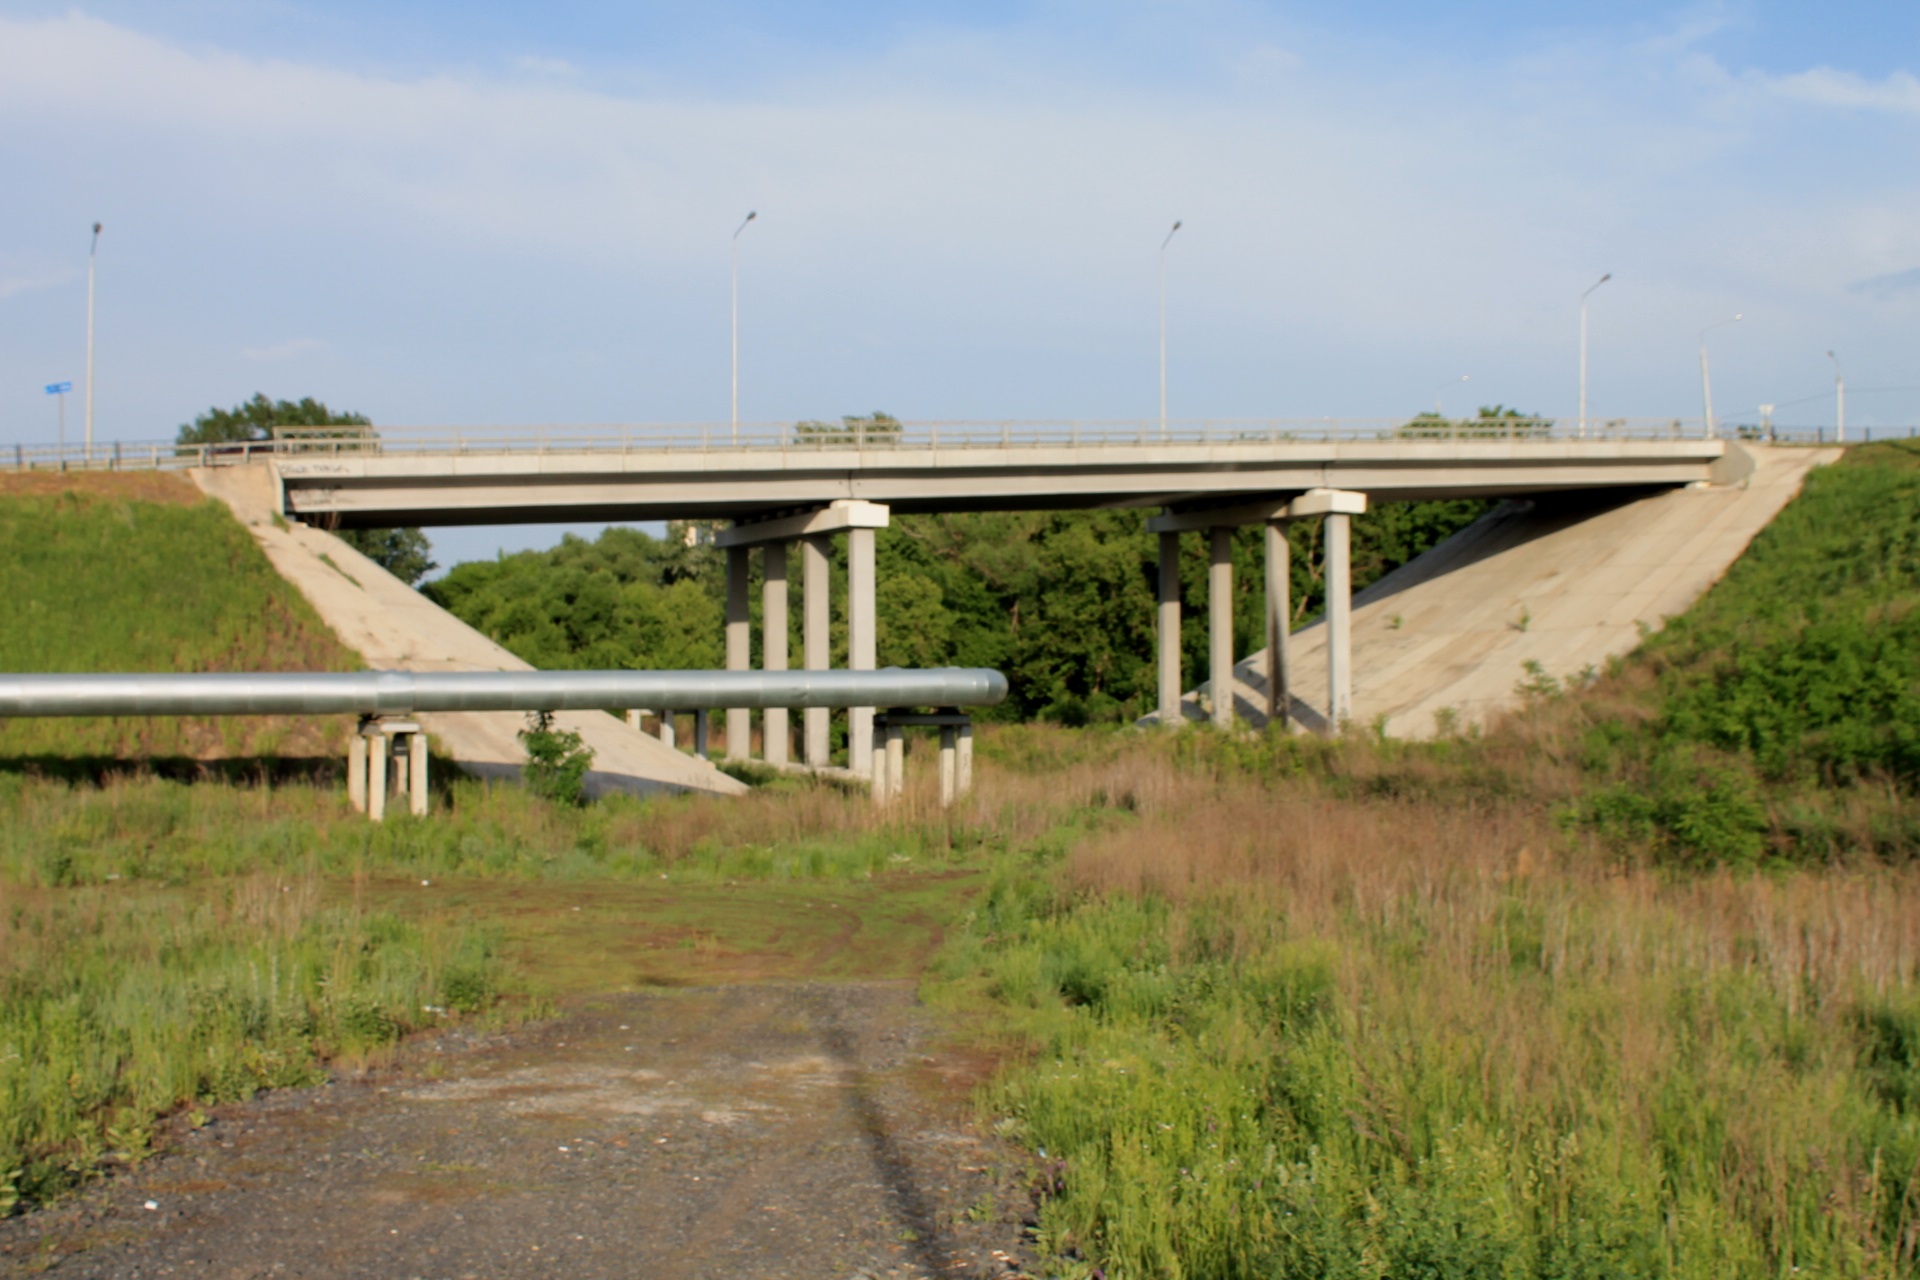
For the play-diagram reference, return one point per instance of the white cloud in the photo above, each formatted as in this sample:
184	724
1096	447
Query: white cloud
282	351
1898	93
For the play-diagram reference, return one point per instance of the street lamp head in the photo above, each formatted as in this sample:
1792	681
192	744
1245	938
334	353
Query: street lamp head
1169	240
751	215
96	228
1603	279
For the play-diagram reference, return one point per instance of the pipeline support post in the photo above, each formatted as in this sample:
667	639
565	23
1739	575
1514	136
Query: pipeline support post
739	650
417	773
377	775
949	771
1220	624
896	748
1169	630
773	647
357	771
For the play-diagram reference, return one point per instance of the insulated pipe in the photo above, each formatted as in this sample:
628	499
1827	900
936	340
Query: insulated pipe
408	692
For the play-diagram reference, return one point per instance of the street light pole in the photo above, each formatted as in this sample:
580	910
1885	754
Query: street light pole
92	252
736	322
1438	412
1839	401
1706	378
1583	351
1163	329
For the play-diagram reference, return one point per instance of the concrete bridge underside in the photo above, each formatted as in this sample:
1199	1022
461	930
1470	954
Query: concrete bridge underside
379	490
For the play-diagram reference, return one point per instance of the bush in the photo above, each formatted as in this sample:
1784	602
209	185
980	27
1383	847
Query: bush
557	760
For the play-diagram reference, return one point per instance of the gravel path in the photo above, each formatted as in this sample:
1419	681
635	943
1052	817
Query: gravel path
749	1131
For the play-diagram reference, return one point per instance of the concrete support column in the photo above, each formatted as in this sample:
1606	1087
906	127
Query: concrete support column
357	771
896	749
1169	630
739	651
666	728
1220	624
398	761
773	646
702	722
861	638
1279	622
882	786
417	773
963	762
377	777
1338	534
816	639
949	772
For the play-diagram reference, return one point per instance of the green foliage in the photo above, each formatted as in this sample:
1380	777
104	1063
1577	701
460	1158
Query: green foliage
404	553
256	418
557	760
1807	657
133	573
626	601
1492	422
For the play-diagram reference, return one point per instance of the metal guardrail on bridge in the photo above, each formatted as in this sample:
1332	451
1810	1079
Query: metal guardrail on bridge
626	439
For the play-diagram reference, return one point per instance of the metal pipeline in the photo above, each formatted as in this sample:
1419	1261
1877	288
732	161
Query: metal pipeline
407	692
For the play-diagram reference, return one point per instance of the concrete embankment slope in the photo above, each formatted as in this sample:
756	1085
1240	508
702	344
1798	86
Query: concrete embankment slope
394	627
1566	582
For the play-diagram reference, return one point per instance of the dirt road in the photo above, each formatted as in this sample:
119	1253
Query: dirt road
748	1131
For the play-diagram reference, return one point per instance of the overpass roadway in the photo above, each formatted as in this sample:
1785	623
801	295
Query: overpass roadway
385	483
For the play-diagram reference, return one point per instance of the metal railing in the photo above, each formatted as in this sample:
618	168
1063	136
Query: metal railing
790	438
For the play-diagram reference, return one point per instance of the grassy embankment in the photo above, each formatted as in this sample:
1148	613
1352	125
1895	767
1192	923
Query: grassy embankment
1625	987
131	985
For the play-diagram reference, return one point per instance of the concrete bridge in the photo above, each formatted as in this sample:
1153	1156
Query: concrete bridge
784	485
807	485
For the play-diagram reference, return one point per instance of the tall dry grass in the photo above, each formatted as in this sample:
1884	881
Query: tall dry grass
1291	1029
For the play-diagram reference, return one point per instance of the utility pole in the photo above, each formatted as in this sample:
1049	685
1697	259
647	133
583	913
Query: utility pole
1163	329
736	323
1839	401
93	251
1583	351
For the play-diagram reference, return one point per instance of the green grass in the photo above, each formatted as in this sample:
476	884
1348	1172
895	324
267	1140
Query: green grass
120	1004
140	573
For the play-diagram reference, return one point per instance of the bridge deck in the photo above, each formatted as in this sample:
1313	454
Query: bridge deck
474	486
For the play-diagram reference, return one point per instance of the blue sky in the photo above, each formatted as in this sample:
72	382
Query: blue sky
495	213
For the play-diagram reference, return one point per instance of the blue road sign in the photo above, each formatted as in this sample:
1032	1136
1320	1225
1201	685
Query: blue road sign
58	388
